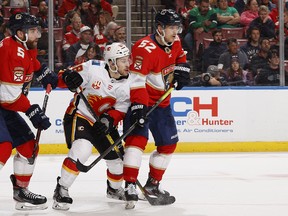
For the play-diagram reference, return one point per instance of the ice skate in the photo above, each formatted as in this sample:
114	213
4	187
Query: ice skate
117	194
157	195
61	197
131	195
25	199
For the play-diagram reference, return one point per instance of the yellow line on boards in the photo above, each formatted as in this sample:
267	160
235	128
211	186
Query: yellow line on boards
189	147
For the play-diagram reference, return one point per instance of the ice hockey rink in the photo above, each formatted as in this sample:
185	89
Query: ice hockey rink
204	184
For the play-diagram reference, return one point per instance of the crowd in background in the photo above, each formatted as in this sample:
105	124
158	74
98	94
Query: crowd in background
234	42
82	28
250	56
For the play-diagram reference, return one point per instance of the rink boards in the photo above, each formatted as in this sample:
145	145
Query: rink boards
208	119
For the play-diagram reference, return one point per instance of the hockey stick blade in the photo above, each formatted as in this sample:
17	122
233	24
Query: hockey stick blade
161	200
39	130
83	168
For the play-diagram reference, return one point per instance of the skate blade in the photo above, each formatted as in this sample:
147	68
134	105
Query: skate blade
61	206
23	206
130	204
110	196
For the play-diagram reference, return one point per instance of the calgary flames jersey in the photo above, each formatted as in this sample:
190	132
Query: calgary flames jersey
105	94
16	73
152	69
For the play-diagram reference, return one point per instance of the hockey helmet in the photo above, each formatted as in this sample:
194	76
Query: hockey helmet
167	17
114	51
22	21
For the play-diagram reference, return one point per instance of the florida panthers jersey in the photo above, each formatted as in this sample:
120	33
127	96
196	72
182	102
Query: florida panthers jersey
16	72
103	92
152	69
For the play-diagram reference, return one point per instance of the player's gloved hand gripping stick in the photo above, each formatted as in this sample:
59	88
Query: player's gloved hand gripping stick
151	200
83	168
46	97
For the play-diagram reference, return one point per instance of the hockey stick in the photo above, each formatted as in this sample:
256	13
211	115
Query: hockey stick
152	201
83	168
46	97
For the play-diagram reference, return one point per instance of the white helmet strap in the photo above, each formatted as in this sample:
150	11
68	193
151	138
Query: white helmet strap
162	37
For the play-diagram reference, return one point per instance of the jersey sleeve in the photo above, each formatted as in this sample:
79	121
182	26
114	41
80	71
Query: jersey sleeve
122	103
142	62
16	70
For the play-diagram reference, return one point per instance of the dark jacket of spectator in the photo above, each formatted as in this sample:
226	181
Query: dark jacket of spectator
266	29
212	53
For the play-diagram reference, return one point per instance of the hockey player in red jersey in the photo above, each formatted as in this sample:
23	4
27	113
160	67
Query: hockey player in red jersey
105	84
18	63
158	62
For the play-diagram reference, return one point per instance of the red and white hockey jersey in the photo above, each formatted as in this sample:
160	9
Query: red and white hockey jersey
17	67
103	92
152	69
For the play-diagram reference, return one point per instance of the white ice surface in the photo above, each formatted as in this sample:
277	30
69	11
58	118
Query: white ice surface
220	184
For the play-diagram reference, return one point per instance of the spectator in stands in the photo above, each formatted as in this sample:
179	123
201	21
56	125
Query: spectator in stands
212	77
202	18
93	13
233	51
285	24
73	36
270	75
227	17
212	53
104	30
184	12
19	4
260	60
92	52
4	31
268	4
252	47
67	25
83	9
264	23
274	14
236	76
120	34
79	48
250	13
42	15
240	6
66	6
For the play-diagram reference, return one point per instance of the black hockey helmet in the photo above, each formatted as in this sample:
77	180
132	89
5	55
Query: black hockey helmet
22	21
167	17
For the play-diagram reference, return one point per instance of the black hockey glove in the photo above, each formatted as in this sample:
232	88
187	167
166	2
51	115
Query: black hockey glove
181	75
46	76
104	125
72	79
138	114
37	117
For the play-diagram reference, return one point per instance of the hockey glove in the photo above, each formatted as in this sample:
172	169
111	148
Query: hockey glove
181	75
138	114
37	117
104	125
46	76
72	79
